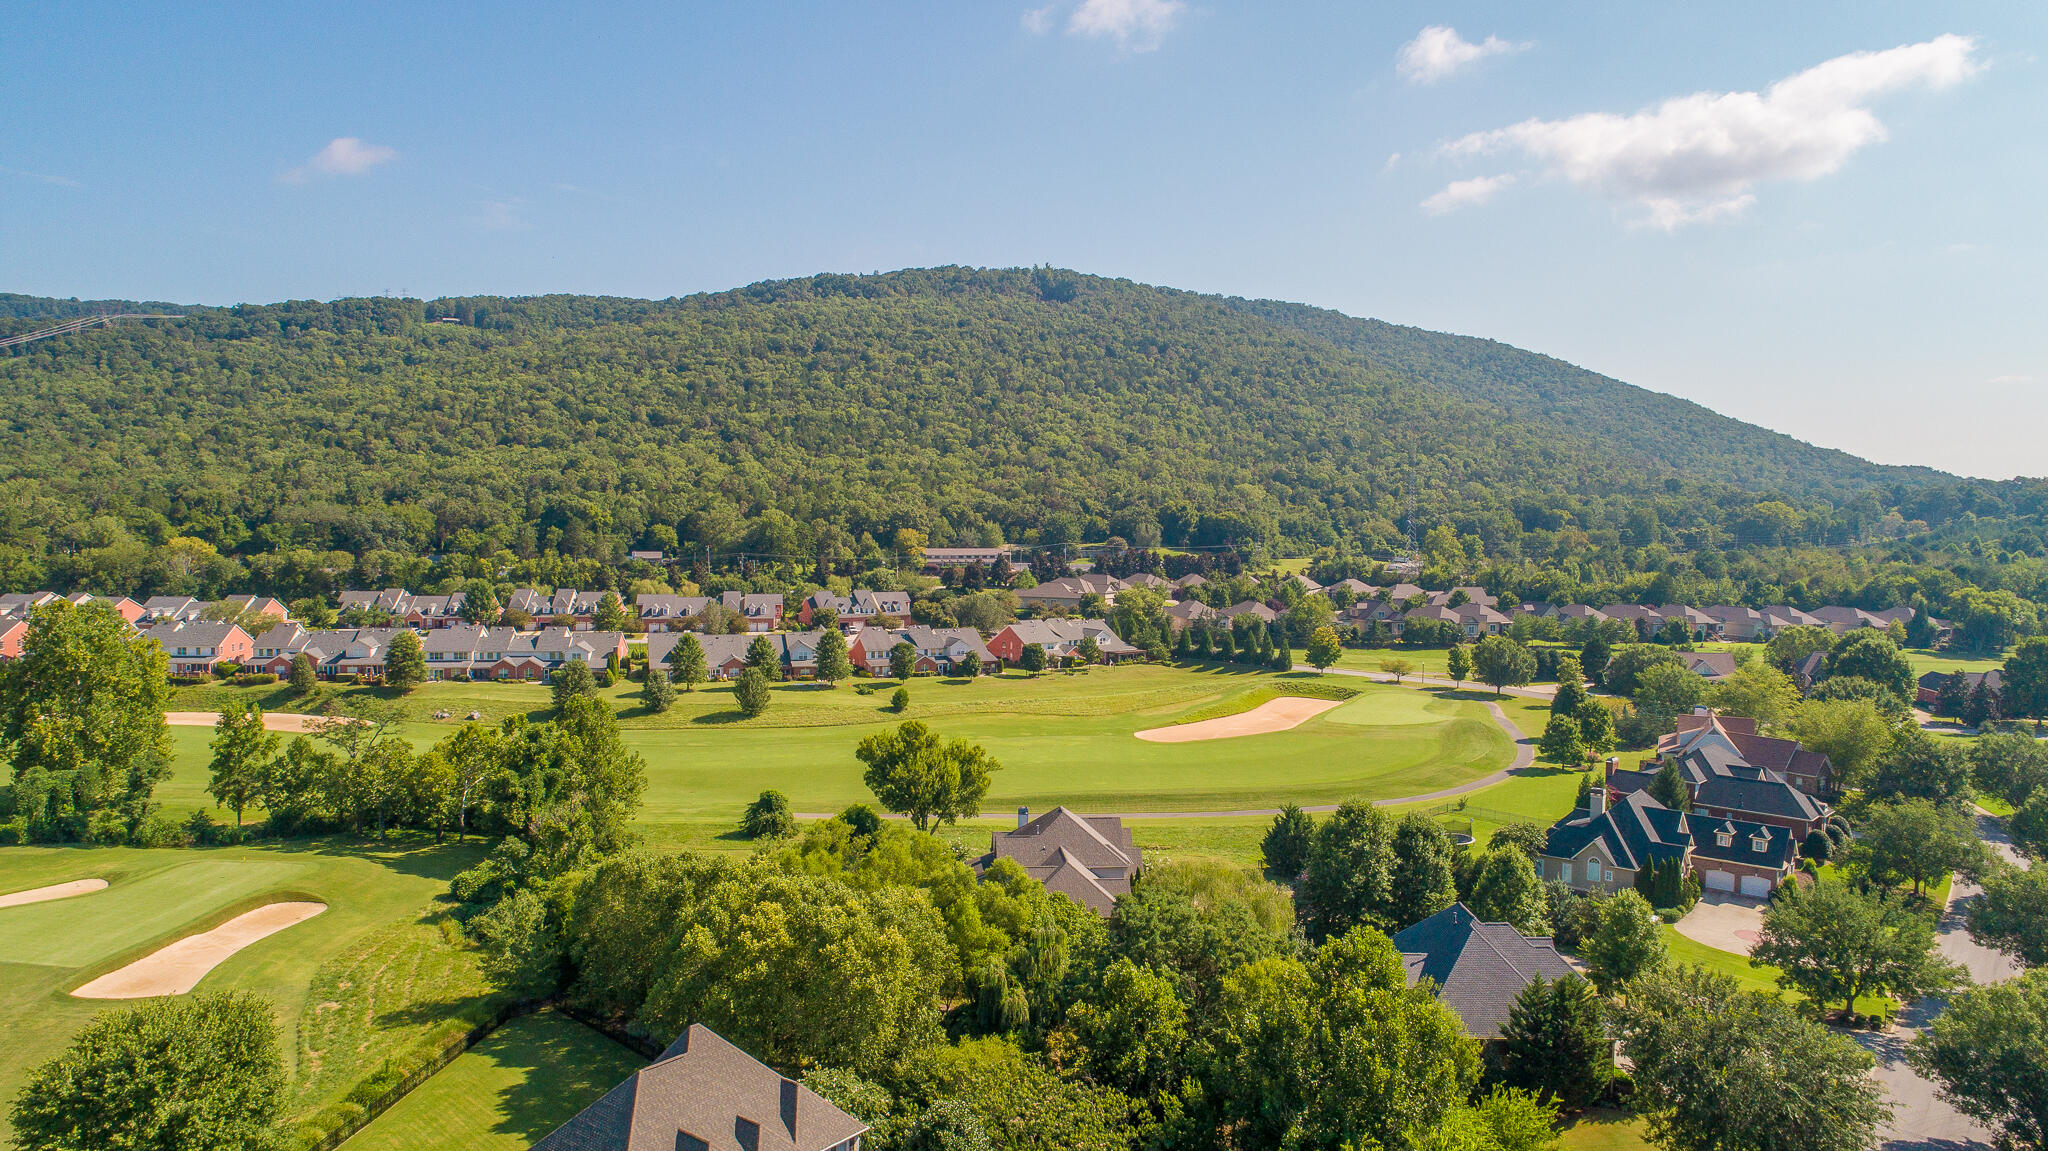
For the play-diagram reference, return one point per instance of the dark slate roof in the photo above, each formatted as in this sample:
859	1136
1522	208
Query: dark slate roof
1934	680
1479	968
1777	852
705	1089
1637	830
1767	794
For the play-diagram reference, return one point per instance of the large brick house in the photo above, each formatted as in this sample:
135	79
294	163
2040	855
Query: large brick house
1605	848
1727	764
197	647
1061	639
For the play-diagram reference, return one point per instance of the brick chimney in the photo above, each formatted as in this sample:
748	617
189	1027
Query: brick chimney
1596	800
1023	816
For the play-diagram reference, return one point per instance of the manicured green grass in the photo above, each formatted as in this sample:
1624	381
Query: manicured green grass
1060	738
1752	976
1603	1129
1925	660
157	896
521	1082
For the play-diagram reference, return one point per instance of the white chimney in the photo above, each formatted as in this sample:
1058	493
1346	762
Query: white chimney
1023	816
1596	800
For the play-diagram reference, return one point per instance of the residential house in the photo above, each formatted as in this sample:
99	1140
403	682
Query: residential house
170	609
556	646
13	629
704	1094
1478	969
1741	624
1927	692
1249	607
197	647
1358	588
661	611
1146	579
430	612
250	605
761	611
1697	622
1478	595
725	656
1305	584
1192	579
1712	666
1477	620
1844	620
1604	848
1647	620
1061	639
1090	859
859	608
528	602
470	651
1806	671
390	601
1188	611
1730	770
1782	616
126	608
1401	593
362	654
23	602
1572	613
1067	591
938	559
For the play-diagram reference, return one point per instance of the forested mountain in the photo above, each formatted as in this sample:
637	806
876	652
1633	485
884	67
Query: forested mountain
790	418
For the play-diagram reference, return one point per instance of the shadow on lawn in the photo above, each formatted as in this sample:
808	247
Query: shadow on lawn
410	853
557	1080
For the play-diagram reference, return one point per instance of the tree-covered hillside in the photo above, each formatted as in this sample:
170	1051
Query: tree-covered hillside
792	417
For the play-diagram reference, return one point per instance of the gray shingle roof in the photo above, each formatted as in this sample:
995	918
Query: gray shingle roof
707	1090
1479	968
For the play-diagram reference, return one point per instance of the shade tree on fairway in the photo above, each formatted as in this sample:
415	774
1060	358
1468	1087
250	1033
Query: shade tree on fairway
1501	662
242	751
1458	664
1324	648
768	817
571	680
197	1073
833	663
657	692
405	662
751	692
913	772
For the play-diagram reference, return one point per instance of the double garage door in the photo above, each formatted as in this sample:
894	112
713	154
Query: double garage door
1754	886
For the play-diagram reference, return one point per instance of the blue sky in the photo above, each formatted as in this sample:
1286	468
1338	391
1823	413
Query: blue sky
1854	256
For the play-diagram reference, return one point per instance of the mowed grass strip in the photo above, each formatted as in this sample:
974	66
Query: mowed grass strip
83	931
516	1085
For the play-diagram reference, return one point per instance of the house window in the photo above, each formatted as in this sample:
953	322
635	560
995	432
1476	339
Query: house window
1592	871
1724	838
1564	871
1760	843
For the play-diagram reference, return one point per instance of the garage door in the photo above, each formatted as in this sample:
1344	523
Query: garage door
1720	881
1756	885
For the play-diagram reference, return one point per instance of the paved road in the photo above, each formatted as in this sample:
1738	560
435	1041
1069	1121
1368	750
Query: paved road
1525	757
1537	691
1921	1119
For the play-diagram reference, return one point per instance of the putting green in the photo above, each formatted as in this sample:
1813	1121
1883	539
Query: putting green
1398	707
78	933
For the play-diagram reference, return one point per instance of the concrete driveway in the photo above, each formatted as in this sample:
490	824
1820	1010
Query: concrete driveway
1724	922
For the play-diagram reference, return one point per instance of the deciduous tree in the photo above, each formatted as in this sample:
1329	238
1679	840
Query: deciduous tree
1985	1049
242	750
912	771
405	662
686	663
750	692
1624	943
1834	944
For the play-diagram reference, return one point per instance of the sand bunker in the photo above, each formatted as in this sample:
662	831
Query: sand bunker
54	891
178	968
1273	715
272	720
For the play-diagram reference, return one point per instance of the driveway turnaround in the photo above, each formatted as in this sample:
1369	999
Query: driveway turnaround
1724	922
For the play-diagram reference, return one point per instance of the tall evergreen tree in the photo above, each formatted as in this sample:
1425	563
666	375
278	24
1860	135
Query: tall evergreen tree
686	663
1555	1042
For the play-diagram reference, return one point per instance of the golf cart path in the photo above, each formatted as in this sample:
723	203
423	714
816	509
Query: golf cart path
272	720
1525	756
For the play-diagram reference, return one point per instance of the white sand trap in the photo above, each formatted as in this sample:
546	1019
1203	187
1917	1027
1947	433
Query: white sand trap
178	968
54	891
272	720
1273	715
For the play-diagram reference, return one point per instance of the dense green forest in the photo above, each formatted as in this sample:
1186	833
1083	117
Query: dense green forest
794	418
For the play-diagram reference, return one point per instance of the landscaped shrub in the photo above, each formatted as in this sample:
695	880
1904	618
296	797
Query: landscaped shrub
160	830
255	678
14	832
226	669
188	680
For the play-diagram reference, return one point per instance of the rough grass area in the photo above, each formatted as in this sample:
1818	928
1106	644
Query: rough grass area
521	1082
156	896
1752	976
380	997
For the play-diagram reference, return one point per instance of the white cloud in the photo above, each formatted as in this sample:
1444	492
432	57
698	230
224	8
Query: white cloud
1466	193
43	177
343	156
1038	21
2010	379
1438	51
1698	158
501	215
1137	25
